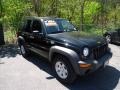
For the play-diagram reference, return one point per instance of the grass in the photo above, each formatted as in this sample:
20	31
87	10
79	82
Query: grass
10	37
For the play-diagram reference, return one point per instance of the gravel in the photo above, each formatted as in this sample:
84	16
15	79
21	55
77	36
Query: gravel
35	73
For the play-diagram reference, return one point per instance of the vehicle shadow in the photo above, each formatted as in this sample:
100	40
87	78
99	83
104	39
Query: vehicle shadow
9	51
106	79
118	44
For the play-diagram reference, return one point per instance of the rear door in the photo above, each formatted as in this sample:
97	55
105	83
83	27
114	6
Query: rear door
119	34
117	37
26	31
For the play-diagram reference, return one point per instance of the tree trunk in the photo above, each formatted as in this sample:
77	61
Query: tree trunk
115	16
53	10
1	26
1	35
102	14
82	16
37	6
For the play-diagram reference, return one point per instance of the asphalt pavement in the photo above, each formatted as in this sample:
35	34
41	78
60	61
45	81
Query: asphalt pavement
35	73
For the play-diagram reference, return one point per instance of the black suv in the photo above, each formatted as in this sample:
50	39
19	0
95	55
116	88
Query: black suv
113	36
70	52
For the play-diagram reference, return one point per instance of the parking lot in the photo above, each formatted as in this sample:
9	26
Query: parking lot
35	73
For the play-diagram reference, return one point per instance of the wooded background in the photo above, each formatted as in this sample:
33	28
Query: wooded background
92	16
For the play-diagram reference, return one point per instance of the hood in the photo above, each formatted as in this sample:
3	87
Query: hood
78	39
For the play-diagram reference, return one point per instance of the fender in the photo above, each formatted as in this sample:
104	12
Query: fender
70	54
20	40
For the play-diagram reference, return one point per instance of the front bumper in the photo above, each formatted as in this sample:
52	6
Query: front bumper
95	64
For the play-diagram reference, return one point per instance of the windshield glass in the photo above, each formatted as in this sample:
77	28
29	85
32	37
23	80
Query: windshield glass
58	26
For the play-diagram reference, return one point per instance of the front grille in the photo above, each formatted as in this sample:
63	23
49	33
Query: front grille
99	51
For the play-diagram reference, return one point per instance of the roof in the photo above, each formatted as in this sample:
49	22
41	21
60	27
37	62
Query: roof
45	18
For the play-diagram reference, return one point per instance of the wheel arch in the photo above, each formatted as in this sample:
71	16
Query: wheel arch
71	55
20	40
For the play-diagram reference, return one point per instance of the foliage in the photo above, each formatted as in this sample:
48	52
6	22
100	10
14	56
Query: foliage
94	16
10	37
13	11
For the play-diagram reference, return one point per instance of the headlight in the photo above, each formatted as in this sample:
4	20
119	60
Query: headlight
85	51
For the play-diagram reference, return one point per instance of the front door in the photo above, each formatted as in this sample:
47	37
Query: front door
38	40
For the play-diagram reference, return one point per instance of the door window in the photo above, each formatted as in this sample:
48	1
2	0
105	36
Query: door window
36	26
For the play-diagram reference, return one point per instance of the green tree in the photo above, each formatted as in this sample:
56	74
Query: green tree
14	10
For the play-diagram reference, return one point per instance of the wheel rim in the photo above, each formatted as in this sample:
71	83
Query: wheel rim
22	49
61	70
108	38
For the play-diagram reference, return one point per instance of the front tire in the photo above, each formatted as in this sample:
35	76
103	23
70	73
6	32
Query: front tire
63	70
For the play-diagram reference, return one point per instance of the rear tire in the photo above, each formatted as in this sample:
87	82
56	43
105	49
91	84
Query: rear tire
24	51
63	70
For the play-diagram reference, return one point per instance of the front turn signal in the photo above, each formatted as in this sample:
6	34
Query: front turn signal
85	66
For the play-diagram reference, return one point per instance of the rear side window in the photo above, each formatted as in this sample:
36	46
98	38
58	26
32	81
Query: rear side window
27	26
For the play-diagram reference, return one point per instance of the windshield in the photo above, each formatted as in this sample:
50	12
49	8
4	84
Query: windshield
58	26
